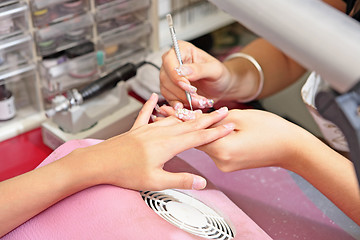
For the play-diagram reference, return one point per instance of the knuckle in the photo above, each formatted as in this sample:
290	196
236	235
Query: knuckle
164	56
197	124
185	182
223	161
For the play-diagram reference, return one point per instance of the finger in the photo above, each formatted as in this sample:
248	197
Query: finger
173	95
170	111
203	136
195	71
202	122
167	180
146	111
157	118
186	115
168	121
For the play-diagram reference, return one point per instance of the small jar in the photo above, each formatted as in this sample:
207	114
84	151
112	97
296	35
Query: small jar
76	35
41	17
72	7
6	26
47	47
106	26
84	67
99	2
111	50
7	104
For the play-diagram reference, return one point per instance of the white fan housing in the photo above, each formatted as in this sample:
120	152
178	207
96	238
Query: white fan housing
188	214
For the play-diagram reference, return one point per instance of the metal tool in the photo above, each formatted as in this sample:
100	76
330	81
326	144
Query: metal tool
177	51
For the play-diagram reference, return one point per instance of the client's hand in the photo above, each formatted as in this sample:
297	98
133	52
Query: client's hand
135	159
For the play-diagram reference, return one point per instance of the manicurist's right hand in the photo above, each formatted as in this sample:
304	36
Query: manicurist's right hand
202	75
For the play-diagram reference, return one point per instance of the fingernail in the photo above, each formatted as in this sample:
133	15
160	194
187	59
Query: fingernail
198	183
230	126
153	117
202	102
157	108
198	111
177	106
187	87
185	114
222	110
210	103
153	95
184	70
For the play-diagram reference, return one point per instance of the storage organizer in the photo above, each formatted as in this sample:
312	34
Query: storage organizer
49	47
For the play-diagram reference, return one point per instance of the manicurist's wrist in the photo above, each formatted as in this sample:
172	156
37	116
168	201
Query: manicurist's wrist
231	89
304	147
243	81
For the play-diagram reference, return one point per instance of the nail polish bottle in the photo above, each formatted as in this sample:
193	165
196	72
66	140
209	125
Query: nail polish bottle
7	105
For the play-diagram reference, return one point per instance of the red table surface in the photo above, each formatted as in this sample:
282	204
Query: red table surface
22	153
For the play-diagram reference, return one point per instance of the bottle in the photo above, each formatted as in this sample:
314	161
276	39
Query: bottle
7	105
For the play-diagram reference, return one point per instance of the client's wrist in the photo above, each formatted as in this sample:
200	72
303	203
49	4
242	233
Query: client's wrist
82	169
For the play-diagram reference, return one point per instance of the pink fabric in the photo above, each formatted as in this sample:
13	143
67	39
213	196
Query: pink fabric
271	197
109	212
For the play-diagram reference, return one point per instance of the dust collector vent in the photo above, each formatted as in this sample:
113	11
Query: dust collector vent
188	213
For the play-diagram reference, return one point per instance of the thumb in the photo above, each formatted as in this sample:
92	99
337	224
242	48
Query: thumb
182	181
146	111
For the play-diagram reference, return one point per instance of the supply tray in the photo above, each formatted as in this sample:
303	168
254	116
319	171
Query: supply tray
13	20
120	46
64	35
15	51
72	73
111	18
118	8
22	83
45	13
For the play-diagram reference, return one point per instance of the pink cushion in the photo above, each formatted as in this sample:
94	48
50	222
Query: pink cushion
109	212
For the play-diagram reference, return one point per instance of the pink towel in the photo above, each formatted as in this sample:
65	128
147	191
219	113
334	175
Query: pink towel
109	212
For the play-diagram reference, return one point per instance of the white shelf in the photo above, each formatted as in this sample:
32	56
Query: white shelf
26	119
199	27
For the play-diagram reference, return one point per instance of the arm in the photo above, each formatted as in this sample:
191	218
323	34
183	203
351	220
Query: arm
132	160
286	145
234	79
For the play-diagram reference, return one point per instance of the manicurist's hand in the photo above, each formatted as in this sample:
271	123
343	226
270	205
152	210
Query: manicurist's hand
262	139
202	75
